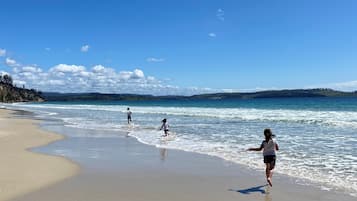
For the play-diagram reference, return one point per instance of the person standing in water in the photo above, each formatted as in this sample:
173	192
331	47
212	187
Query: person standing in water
269	147
129	115
165	126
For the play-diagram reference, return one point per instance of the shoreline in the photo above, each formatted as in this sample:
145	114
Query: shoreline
123	167
22	170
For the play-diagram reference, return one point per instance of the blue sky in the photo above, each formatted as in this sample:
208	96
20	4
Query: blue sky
179	47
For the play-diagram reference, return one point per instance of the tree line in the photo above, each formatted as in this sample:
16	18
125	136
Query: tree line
6	79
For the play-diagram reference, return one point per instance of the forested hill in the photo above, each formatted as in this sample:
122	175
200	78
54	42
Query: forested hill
10	93
262	94
288	93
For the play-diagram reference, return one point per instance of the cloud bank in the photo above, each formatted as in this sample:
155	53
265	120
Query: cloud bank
70	78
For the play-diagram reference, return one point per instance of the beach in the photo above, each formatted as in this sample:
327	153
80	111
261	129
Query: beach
22	171
121	168
178	100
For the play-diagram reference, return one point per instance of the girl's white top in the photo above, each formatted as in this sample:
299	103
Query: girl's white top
269	147
165	126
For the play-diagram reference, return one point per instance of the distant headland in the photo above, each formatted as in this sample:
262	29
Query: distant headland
10	93
294	93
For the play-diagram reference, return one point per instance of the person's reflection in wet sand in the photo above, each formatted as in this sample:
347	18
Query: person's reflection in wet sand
163	154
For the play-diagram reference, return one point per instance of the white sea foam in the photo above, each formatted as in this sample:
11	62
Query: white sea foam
329	118
304	169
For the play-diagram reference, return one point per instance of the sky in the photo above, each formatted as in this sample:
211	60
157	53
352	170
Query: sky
179	47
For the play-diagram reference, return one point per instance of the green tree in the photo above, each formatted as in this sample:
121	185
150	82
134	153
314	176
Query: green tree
7	79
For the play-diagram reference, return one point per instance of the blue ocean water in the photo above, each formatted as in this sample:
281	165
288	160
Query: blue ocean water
317	136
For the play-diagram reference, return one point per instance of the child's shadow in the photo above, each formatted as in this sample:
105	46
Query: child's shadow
257	189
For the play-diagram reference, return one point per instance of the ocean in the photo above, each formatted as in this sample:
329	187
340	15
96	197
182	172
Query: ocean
317	136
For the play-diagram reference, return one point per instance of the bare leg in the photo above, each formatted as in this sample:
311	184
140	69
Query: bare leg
165	134
268	173
272	165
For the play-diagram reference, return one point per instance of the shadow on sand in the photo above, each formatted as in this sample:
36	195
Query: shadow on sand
256	189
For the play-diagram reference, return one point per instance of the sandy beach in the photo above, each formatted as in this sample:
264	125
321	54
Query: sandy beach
22	171
172	100
122	168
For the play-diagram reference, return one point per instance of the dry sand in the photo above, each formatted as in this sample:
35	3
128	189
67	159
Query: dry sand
22	171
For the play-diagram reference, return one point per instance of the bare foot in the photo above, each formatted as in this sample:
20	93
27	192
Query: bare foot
269	182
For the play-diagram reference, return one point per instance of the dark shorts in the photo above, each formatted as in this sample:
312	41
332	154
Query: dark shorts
271	160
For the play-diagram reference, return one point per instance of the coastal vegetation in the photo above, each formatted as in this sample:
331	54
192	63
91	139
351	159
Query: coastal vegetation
10	93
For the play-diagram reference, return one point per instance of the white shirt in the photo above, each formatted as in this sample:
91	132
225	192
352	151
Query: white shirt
165	126
269	147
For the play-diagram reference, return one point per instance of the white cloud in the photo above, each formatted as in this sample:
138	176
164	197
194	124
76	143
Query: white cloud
220	14
100	69
85	74
85	48
133	76
152	59
151	79
138	74
213	35
28	75
2	52
64	68
11	62
31	69
19	82
56	82
2	73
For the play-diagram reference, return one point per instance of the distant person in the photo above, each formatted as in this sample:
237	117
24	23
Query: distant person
269	146
129	115
165	126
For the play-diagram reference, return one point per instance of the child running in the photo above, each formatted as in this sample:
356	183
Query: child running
165	126
269	146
